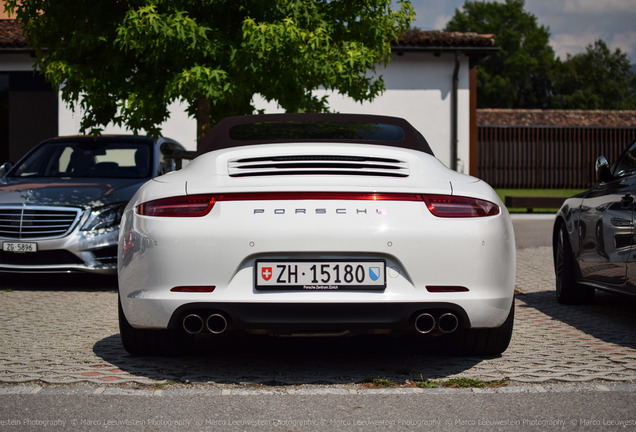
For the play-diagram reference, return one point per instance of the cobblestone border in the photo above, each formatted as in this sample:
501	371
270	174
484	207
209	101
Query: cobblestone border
319	391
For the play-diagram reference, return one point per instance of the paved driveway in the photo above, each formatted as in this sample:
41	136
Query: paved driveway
64	330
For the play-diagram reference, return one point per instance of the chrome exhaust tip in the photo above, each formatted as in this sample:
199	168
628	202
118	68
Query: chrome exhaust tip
193	324
448	323
216	323
425	323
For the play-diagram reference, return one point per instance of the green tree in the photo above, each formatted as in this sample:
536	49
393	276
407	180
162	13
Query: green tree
126	61
596	79
519	75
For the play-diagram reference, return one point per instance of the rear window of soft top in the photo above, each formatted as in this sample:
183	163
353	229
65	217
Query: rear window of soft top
311	130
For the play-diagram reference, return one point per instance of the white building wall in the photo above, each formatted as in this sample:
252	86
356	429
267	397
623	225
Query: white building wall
418	88
180	126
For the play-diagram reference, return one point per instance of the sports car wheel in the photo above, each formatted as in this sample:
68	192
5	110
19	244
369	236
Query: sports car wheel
150	342
568	291
483	342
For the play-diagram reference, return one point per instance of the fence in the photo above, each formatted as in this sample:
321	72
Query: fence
546	157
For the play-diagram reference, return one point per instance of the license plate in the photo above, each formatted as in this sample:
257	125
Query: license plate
19	247
320	275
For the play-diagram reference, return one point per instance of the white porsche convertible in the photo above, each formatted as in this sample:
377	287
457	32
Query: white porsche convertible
316	224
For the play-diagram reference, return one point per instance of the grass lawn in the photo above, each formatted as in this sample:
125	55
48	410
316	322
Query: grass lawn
536	192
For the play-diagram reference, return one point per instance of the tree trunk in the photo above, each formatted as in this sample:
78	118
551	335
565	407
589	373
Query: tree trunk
203	118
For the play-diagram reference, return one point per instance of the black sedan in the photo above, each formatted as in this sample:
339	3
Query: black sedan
593	239
61	204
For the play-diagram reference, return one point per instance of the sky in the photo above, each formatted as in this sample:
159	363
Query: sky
573	24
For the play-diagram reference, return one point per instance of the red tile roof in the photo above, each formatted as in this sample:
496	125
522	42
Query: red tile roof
521	117
11	34
435	38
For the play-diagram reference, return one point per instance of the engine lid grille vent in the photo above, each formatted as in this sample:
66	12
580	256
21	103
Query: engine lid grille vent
318	165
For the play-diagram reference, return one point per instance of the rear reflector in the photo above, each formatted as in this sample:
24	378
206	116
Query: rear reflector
451	206
445	288
194	289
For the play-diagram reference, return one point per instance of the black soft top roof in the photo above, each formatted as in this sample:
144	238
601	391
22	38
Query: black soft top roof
288	128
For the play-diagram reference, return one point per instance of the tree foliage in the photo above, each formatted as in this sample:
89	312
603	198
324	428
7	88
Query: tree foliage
596	79
518	75
126	61
525	72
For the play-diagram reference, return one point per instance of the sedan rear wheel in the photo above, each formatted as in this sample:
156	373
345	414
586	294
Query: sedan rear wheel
151	342
568	291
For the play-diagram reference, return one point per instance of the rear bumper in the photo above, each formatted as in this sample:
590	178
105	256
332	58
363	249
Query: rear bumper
318	316
219	253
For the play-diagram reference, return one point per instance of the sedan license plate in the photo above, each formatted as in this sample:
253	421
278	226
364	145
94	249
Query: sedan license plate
19	247
320	275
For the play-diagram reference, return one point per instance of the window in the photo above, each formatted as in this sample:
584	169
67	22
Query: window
626	164
87	159
347	131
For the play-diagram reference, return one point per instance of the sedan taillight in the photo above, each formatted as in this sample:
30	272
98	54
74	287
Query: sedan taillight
459	207
180	206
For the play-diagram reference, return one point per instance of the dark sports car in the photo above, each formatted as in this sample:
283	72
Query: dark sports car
61	204
593	238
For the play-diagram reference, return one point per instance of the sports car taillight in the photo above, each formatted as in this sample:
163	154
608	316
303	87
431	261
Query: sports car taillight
200	205
456	206
179	206
320	196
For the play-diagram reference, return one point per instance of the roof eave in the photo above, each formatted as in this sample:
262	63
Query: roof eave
475	53
16	50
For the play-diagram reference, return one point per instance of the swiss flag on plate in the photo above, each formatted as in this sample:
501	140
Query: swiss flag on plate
266	273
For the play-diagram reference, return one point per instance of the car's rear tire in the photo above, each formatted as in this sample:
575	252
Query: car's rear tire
482	342
151	342
568	290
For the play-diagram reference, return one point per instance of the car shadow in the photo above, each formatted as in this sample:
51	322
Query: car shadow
273	361
58	282
610	317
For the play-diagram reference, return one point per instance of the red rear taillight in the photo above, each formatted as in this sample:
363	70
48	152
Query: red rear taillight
319	196
201	205
459	207
180	206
